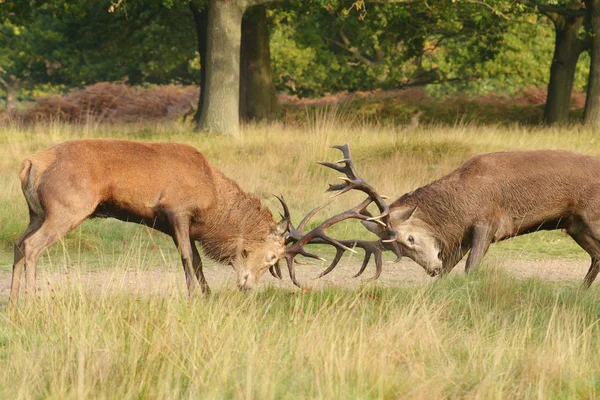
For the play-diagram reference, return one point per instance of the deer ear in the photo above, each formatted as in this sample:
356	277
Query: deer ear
281	228
375	228
399	216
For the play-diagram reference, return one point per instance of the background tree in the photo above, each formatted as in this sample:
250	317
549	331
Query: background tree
312	48
258	96
199	12
591	112
220	107
569	44
27	56
391	46
80	42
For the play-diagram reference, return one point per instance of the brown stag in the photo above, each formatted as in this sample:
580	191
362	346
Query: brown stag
489	198
168	186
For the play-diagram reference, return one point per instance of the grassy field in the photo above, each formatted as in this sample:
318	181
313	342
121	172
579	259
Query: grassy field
487	335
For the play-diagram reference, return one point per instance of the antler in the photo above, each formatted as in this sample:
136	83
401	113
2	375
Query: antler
370	247
298	239
352	181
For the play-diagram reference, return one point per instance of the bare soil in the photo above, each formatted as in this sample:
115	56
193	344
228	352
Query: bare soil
170	279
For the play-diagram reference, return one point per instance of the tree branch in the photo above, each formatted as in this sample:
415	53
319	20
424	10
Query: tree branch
561	10
349	48
250	3
491	8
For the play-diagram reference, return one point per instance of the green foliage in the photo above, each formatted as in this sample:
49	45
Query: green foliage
296	68
391	46
318	47
24	51
523	60
80	42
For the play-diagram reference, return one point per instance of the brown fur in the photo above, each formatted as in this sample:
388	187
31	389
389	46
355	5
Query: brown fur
492	197
170	187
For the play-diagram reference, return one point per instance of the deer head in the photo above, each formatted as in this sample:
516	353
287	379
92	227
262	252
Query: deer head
254	259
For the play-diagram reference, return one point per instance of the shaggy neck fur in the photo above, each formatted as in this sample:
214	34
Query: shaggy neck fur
238	222
437	208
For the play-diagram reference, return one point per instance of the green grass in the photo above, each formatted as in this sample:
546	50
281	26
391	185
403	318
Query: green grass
488	335
485	336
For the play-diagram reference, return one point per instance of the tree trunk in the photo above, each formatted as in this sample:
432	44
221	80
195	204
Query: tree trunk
567	48
11	98
258	98
11	88
220	103
200	21
591	113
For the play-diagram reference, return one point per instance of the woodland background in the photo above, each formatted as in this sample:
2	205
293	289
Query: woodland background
442	60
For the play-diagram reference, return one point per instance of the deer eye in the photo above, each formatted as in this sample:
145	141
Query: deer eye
410	239
244	254
271	258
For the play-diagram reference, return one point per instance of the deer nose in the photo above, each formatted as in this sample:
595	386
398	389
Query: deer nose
243	282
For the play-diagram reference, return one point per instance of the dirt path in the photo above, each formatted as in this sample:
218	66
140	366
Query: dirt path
395	274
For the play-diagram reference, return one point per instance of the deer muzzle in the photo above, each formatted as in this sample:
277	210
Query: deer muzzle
246	281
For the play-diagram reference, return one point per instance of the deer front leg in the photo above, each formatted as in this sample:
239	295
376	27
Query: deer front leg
480	243
181	236
197	264
454	258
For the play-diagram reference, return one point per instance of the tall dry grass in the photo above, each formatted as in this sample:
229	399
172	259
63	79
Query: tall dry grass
483	336
488	336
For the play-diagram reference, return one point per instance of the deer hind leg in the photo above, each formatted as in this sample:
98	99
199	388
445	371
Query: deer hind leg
197	265
181	236
592	272
480	243
55	226
35	222
587	240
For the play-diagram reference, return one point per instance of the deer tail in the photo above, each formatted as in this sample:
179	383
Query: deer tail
27	177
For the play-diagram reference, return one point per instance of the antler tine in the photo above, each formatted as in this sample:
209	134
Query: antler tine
286	210
334	166
375	248
338	187
272	271
345	149
277	269
311	214
338	255
364	264
378	266
293	234
353	181
290	263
